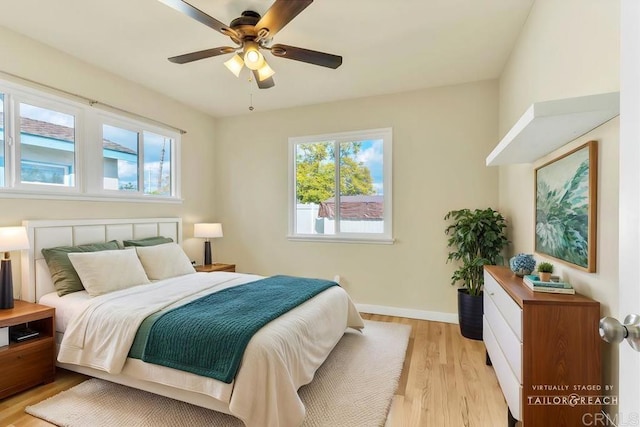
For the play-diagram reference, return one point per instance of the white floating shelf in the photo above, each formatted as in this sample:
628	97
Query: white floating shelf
547	126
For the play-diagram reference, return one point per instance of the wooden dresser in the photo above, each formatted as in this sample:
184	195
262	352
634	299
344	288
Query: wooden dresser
545	350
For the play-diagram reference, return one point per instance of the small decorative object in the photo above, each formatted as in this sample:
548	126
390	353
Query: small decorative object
208	231
566	207
522	264
544	271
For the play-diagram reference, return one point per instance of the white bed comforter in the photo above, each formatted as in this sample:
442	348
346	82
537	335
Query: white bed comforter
279	359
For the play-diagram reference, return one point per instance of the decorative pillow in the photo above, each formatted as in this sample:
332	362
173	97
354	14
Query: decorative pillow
148	241
164	261
65	279
107	271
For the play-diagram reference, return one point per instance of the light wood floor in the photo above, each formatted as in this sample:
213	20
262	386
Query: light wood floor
444	382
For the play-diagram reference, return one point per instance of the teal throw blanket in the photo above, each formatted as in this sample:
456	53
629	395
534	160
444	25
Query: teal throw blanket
208	336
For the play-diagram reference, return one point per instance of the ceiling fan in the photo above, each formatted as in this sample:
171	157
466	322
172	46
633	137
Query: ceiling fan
252	33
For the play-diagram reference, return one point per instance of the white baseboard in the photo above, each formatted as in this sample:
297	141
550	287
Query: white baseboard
408	312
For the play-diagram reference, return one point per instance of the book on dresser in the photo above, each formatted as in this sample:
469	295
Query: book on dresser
534	283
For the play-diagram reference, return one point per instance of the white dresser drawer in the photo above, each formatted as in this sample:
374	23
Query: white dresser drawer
509	343
511	387
509	309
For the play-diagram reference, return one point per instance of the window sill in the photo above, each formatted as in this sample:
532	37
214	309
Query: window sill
14	194
333	239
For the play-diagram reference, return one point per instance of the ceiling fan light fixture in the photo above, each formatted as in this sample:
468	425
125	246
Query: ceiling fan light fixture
252	34
265	72
253	59
235	64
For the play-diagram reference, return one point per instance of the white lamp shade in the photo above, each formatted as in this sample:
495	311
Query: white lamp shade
265	72
235	64
13	239
207	230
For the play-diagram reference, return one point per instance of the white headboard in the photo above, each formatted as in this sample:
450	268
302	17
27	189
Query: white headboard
36	280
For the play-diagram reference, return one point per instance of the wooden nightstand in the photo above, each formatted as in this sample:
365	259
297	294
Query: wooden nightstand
216	266
31	362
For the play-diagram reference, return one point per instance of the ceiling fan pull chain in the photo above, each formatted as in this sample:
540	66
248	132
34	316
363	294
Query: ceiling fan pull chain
250	101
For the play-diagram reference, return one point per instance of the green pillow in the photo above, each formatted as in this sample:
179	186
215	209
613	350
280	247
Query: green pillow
64	276
148	241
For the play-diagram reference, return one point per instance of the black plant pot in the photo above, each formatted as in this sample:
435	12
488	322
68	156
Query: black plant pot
470	309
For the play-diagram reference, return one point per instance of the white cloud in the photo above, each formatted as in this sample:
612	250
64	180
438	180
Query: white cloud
371	156
127	171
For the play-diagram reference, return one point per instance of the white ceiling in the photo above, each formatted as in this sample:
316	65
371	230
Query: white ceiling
387	46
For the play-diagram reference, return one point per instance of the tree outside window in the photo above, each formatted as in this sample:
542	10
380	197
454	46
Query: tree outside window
339	185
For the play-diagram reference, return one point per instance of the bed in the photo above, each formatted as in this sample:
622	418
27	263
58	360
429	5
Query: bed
280	358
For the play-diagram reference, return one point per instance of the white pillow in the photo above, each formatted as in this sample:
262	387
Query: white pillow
164	261
107	271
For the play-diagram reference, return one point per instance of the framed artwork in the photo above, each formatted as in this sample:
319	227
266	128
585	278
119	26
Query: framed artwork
566	206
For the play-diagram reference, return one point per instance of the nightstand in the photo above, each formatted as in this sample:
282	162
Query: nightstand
216	266
31	362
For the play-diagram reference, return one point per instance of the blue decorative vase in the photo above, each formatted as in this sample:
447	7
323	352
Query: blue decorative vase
522	264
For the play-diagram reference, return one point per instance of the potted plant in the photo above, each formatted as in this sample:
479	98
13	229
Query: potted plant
476	238
544	271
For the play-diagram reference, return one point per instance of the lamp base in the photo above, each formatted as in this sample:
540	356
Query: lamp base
6	284
207	252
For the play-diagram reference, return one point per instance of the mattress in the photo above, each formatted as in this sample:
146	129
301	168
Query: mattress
66	306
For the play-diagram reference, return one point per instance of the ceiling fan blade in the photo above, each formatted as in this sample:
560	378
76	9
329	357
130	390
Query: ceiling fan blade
266	83
200	16
305	55
280	14
201	54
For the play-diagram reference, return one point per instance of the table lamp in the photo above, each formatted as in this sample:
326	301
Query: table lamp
208	231
11	239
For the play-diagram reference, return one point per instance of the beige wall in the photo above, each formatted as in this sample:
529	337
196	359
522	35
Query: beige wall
568	48
37	62
440	139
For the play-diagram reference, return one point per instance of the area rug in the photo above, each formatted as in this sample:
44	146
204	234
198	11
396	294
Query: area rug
353	388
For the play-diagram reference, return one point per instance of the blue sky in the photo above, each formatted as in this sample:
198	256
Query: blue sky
371	155
45	115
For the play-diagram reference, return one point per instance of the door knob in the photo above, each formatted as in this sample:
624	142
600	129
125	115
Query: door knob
614	332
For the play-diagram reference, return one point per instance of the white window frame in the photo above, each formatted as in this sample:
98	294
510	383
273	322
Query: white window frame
140	129
104	119
386	237
88	163
17	97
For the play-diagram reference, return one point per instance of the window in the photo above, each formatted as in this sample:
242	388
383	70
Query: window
157	164
136	161
47	146
340	187
50	145
120	158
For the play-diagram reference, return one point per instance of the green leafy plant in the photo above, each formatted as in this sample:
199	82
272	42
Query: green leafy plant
545	267
476	238
316	172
